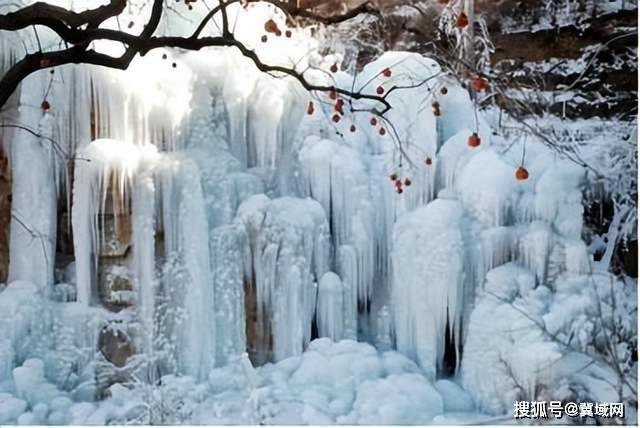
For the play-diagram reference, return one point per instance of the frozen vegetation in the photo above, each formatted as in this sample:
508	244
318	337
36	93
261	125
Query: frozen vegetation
443	303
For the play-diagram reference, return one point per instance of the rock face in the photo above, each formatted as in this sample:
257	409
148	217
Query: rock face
581	52
541	44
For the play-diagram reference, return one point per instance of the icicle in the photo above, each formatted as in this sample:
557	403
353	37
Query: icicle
290	245
228	246
187	242
534	249
384	329
330	311
144	255
348	271
428	280
98	165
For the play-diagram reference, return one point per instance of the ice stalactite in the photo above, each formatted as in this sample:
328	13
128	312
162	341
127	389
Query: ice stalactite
103	167
429	263
384	330
335	176
147	103
186	242
229	247
347	261
289	241
144	228
330	311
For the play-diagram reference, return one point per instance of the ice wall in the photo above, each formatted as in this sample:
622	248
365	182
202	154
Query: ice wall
233	189
290	248
429	264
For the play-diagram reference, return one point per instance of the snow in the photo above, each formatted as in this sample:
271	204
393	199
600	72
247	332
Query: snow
342	382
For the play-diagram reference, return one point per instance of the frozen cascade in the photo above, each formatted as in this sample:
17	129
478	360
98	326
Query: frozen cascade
289	240
429	262
335	176
229	247
104	170
187	244
222	235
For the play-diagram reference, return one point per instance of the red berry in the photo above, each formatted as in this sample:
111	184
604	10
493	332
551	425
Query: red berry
336	118
522	173
444	90
271	27
373	121
288	33
393	177
407	182
462	20
382	131
130	24
264	38
479	84
310	108
428	161
380	90
353	128
45	105
474	140
333	94
334	68
386	72
399	190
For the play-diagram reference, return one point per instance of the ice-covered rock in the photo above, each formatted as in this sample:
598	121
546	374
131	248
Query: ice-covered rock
290	248
429	281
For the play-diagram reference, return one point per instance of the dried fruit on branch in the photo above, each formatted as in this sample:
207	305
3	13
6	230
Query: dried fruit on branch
474	140
522	174
462	20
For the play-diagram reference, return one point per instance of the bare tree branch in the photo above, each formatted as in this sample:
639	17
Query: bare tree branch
80	29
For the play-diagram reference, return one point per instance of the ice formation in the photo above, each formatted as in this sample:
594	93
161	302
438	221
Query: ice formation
225	198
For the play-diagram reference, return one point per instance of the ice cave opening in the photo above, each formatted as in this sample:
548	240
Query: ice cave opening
200	231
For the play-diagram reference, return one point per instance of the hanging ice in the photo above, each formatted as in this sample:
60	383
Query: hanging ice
429	264
290	246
